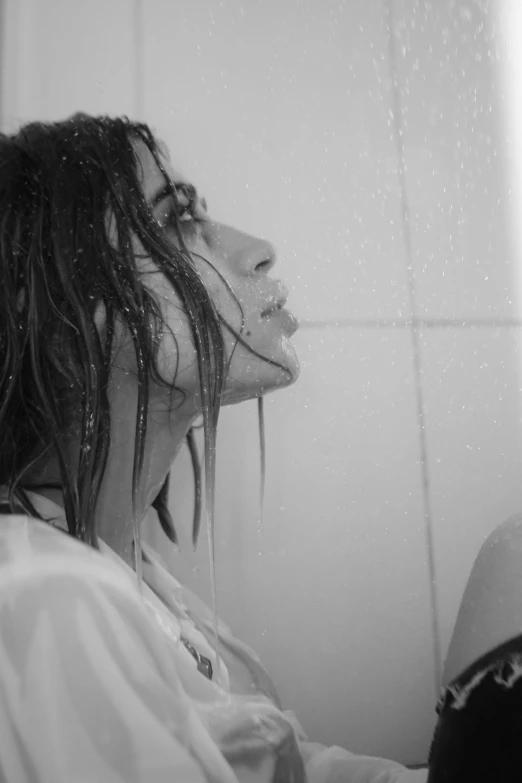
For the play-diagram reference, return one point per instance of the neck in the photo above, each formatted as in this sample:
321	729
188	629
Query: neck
115	515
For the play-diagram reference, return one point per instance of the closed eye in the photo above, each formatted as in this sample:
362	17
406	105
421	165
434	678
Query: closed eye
186	212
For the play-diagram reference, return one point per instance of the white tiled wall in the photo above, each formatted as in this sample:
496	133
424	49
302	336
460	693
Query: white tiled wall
458	191
472	394
60	57
459	174
282	113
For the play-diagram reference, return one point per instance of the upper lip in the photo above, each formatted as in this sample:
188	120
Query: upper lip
276	302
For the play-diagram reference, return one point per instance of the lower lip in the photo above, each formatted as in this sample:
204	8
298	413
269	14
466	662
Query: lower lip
288	321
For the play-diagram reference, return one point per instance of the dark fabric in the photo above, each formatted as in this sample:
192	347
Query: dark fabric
479	733
5	508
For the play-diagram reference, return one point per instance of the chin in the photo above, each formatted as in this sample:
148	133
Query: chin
287	357
269	381
250	377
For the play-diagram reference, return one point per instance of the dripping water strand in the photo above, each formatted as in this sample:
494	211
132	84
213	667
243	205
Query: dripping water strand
262	455
139	70
210	481
196	470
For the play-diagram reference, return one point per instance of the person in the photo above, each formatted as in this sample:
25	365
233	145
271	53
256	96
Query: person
480	709
126	313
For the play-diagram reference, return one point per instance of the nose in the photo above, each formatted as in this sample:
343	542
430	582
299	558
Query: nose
246	254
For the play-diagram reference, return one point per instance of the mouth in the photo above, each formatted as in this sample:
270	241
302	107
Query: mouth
274	306
286	320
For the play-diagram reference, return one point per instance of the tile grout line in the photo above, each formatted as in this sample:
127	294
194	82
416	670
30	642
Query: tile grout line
397	125
139	66
409	323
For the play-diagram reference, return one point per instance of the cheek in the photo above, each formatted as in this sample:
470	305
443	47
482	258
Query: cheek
225	293
177	358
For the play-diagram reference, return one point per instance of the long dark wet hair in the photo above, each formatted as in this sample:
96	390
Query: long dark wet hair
57	183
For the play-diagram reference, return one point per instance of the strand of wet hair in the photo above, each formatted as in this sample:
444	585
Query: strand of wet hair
262	455
196	469
160	504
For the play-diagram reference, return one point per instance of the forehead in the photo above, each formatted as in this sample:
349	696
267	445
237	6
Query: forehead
149	174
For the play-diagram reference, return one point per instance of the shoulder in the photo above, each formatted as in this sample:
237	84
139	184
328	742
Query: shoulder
61	600
81	664
32	553
491	609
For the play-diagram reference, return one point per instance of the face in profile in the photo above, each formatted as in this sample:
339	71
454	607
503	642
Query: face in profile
236	270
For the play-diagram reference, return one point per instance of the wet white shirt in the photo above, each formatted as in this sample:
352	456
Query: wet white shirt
100	683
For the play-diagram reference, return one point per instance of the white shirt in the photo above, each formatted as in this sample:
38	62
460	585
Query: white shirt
97	682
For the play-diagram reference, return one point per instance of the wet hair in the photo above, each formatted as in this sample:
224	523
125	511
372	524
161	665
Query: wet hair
57	265
58	183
